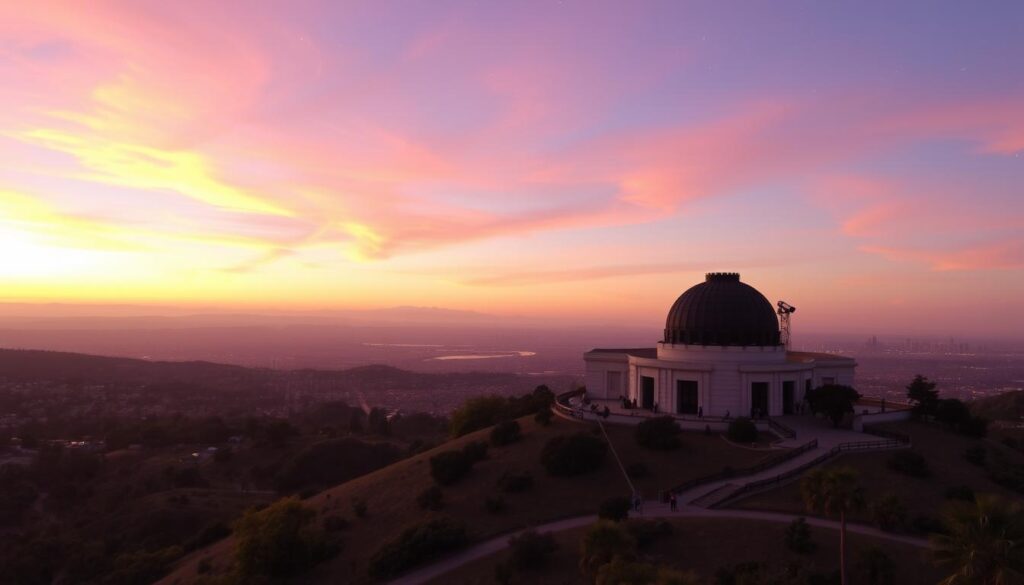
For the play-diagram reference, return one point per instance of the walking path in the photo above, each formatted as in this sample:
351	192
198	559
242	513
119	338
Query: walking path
651	510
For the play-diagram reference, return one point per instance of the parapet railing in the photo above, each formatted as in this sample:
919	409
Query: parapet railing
781	478
729	473
893	435
781	429
562	403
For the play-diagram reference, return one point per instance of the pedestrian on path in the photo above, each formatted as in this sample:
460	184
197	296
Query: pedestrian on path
673	503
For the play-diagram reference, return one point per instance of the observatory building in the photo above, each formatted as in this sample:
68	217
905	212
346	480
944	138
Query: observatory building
722	354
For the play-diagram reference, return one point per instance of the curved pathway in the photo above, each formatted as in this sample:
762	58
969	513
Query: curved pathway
651	510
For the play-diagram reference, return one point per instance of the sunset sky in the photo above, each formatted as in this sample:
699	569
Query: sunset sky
573	160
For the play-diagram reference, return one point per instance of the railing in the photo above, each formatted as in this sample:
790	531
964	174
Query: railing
781	429
729	473
893	435
562	403
833	452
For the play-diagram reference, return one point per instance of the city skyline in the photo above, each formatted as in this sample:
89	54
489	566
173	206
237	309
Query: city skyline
574	160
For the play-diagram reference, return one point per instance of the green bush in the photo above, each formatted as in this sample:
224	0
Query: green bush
976	455
798	537
615	509
569	455
359	507
279	541
888	512
874	567
417	544
495	504
505	433
647	532
532	550
909	463
742	430
449	467
660	433
543	417
430	499
475	451
960	492
604	541
514	483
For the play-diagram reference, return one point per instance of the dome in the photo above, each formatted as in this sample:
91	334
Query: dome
722	311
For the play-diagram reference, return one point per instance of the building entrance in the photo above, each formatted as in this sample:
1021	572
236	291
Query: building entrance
787	397
759	399
647	392
686	397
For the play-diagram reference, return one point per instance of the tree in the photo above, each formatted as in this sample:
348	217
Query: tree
888	512
952	412
921	391
874	567
798	537
278	541
832	492
603	542
983	543
625	572
478	413
833	400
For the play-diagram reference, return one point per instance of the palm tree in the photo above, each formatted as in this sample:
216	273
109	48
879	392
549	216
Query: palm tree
832	492
983	544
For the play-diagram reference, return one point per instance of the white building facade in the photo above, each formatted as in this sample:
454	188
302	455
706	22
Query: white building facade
721	356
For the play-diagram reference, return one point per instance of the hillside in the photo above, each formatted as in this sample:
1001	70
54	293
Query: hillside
390	494
1008	406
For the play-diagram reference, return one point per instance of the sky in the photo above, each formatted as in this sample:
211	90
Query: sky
574	160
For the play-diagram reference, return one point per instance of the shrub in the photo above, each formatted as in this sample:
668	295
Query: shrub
975	427
960	492
798	537
569	455
635	470
143	566
742	430
976	455
208	535
335	523
532	550
415	545
833	400
927	525
505	433
952	412
874	567
615	509
359	507
646	532
660	434
279	540
888	512
478	413
449	467
495	504
430	499
514	483
602	542
543	417
475	451
909	463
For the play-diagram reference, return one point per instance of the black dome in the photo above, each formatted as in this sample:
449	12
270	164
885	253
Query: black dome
722	311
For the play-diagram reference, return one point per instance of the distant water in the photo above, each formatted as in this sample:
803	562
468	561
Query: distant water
484	356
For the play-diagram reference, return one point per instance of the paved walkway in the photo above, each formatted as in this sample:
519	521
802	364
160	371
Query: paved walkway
651	510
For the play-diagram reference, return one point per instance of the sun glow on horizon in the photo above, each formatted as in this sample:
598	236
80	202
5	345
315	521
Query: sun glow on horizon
591	163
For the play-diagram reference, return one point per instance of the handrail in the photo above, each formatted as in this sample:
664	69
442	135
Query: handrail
781	429
729	473
833	452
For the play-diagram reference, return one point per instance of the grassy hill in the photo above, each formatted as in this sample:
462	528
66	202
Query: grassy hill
922	496
703	546
1007	406
390	494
